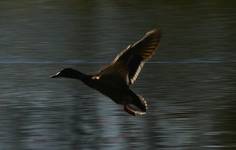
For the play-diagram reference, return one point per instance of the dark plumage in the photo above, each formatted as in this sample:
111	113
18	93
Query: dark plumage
114	80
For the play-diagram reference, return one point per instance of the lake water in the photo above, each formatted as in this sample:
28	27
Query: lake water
190	84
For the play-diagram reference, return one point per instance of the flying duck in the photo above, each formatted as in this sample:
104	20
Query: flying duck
115	79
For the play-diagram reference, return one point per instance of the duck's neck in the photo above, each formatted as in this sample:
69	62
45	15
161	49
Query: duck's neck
78	75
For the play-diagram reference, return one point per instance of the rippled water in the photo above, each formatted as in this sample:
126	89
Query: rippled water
190	83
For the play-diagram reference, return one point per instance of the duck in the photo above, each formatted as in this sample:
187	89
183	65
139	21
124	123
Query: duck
115	79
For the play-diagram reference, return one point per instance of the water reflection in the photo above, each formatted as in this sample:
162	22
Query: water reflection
190	84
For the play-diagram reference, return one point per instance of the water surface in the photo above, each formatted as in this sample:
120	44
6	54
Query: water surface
189	84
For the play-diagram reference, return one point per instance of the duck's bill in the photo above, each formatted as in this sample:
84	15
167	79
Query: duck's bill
55	75
129	109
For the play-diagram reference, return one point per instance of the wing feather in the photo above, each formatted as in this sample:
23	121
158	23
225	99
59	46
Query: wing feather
130	61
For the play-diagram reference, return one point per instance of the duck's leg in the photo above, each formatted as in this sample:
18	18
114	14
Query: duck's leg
131	111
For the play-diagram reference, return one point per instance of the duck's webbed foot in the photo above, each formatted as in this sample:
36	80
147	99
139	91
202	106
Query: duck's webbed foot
129	109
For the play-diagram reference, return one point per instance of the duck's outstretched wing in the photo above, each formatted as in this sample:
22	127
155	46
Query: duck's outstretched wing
130	61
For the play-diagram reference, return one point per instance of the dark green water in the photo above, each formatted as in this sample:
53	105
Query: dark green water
190	84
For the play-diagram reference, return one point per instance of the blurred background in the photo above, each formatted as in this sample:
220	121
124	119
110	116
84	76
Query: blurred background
190	84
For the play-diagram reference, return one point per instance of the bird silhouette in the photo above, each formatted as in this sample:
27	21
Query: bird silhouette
115	79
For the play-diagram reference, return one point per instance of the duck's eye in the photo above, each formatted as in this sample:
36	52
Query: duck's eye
95	77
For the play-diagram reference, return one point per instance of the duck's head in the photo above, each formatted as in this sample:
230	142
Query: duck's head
67	73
